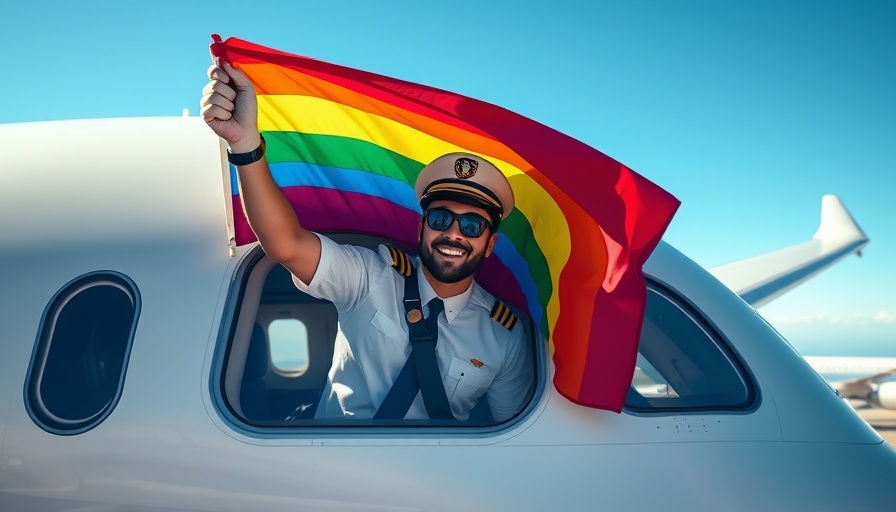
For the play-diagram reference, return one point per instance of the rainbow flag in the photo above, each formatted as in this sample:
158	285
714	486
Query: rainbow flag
346	145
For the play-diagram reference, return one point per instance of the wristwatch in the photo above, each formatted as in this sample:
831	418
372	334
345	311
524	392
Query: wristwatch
246	158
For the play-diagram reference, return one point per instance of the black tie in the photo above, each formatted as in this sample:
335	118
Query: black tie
436	306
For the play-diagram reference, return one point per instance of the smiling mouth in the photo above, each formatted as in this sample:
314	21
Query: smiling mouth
450	250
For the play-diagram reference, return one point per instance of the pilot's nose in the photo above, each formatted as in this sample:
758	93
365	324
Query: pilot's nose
453	230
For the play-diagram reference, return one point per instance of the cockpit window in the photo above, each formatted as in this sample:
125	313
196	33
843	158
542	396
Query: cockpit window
78	364
682	363
279	348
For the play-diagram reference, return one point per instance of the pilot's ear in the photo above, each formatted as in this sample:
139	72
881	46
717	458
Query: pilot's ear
491	244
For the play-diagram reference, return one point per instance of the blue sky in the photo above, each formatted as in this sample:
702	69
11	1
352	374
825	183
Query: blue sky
748	112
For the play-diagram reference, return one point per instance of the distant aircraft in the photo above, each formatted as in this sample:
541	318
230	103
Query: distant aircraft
136	369
864	381
760	279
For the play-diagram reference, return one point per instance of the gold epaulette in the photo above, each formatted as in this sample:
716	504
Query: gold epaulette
401	262
502	314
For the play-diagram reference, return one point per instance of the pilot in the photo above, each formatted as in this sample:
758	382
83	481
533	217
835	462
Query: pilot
422	339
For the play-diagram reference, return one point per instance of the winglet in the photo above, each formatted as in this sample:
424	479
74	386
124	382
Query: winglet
760	279
836	222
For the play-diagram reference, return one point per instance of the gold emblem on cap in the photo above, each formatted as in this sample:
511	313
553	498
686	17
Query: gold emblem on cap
414	316
476	362
465	168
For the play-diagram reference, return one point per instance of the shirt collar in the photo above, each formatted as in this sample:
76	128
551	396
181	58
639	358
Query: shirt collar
453	305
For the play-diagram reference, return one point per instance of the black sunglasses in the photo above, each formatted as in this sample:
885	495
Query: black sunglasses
471	224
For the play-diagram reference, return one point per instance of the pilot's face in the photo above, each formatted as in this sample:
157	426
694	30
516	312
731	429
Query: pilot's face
449	255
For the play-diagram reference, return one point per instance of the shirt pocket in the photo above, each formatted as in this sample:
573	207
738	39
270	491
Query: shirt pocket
389	329
465	383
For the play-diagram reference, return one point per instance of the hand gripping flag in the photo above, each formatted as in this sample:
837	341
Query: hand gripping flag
345	146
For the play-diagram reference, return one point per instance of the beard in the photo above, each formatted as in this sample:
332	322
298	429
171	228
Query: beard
448	273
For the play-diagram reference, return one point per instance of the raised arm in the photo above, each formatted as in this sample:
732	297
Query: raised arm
230	108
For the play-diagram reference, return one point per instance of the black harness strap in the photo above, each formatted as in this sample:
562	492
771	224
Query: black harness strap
421	371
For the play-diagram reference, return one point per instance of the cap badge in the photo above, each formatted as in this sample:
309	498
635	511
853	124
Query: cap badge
476	362
465	168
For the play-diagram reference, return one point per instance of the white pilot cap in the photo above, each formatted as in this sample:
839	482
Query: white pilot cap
468	179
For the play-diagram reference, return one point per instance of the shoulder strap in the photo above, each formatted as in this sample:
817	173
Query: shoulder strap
502	314
421	371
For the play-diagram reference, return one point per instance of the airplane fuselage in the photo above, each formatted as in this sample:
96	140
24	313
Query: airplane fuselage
144	199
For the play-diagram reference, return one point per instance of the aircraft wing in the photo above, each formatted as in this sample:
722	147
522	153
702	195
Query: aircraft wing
760	279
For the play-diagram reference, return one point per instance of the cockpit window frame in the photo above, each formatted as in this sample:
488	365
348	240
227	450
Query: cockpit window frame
666	406
221	391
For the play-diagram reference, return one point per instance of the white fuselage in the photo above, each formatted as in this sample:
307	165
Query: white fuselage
144	197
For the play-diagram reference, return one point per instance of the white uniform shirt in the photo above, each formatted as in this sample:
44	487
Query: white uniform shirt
368	294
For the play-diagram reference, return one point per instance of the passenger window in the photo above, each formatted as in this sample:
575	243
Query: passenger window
289	346
78	365
682	363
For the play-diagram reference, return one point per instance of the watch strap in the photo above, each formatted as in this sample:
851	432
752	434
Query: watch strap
247	158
